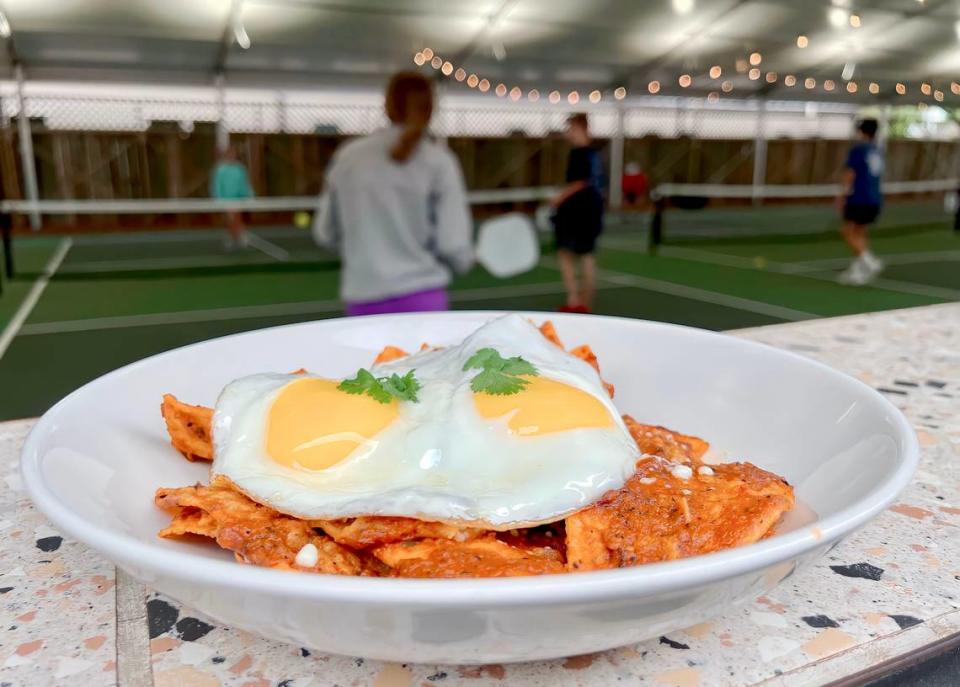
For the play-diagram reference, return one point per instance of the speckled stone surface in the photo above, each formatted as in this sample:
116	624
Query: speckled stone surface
891	588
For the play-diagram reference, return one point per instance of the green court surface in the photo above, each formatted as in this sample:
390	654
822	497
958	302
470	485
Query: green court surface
82	305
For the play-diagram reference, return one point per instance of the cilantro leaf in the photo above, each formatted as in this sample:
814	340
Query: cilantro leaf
405	388
497	383
382	389
359	384
483	358
499	376
518	366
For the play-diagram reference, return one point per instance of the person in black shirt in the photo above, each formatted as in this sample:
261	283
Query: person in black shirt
579	217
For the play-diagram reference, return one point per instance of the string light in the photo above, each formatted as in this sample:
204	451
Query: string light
802	41
838	17
428	56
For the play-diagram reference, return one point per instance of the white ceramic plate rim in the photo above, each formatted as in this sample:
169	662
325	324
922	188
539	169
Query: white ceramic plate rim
644	580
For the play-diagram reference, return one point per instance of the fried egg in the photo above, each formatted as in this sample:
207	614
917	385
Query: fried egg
304	447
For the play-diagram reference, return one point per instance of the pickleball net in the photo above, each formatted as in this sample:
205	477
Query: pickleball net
685	213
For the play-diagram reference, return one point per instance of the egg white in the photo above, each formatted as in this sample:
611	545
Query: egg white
439	460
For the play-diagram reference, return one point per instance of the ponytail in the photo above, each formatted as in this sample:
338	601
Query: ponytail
409	102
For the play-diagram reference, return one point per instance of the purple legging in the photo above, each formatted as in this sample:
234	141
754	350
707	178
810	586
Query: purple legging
418	301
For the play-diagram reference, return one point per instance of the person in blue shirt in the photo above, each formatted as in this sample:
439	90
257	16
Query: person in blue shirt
861	201
230	181
578	221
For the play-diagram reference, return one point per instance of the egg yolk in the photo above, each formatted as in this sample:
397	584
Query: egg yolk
545	406
314	425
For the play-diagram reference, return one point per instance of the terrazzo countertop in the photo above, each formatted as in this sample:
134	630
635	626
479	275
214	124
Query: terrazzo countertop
894	587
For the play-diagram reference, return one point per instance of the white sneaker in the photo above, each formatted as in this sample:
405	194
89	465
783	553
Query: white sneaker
873	263
857	274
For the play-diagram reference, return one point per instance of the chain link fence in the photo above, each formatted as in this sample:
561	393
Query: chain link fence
457	116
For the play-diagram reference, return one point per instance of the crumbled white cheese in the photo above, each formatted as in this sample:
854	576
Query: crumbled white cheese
647	480
681	471
307	557
686	492
705	470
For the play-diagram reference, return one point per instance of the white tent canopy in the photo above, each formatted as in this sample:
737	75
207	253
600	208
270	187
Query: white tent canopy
562	44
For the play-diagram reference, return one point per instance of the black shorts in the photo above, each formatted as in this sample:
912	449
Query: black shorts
579	222
859	213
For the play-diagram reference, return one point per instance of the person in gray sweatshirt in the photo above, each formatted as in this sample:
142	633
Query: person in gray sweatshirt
396	210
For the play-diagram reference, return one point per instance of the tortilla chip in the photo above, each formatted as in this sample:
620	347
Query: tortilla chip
368	531
189	428
550	333
654	440
390	353
657	516
586	354
256	534
482	557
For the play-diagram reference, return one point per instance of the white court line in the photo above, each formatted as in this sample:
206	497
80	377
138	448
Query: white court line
694	293
267	248
272	310
890	259
133	265
16	323
175	236
808	272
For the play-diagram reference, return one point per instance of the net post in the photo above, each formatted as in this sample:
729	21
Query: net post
6	230
616	162
28	169
760	154
655	238
221	132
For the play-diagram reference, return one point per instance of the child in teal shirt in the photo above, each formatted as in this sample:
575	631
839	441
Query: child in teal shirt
230	180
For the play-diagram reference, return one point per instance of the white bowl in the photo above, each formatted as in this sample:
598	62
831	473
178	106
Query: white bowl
93	461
